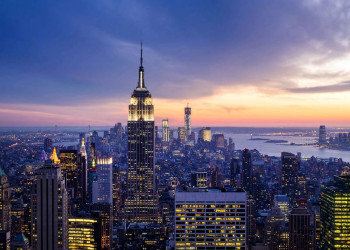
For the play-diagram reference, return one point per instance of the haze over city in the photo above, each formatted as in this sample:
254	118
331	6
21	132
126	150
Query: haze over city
238	63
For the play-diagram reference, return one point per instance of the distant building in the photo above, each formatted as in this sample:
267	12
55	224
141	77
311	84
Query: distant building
70	171
165	130
188	121
49	210
214	219
199	179
5	202
322	135
290	168
282	202
204	134
335	214
102	187
181	131
300	236
235	174
47	145
247	171
219	140
276	230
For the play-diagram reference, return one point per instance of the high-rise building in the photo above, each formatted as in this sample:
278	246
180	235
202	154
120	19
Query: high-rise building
5	240
69	169
102	187
204	134
299	229
141	202
165	130
188	121
335	214
276	230
219	140
49	209
181	131
47	145
5	202
290	168
83	233
211	219
322	136
235	174
282	202
199	179
103	212
247	171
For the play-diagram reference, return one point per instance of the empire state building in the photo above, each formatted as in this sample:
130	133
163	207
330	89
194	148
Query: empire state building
141	202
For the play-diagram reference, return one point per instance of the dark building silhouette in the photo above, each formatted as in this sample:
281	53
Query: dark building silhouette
290	168
300	235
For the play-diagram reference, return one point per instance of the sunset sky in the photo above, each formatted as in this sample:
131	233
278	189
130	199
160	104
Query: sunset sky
237	63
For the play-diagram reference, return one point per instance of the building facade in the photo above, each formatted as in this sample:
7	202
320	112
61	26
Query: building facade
211	219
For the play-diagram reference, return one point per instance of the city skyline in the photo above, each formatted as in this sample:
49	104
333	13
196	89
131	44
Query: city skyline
235	63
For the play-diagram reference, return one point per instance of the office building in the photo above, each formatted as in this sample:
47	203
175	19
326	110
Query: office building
199	179
290	168
218	140
70	171
235	174
83	233
5	240
204	135
276	230
103	212
335	214
102	187
49	210
181	132
282	202
20	242
210	219
47	145
322	135
141	202
5	202
247	171
165	130
300	236
188	121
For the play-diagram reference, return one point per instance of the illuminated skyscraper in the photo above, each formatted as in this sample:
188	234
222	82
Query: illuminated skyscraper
166	130
49	210
141	202
69	167
335	214
188	121
102	187
290	168
204	134
5	202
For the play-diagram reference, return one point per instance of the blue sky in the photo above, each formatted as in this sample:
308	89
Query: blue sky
59	57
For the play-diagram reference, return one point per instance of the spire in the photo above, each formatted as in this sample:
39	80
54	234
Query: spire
141	58
141	83
54	157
